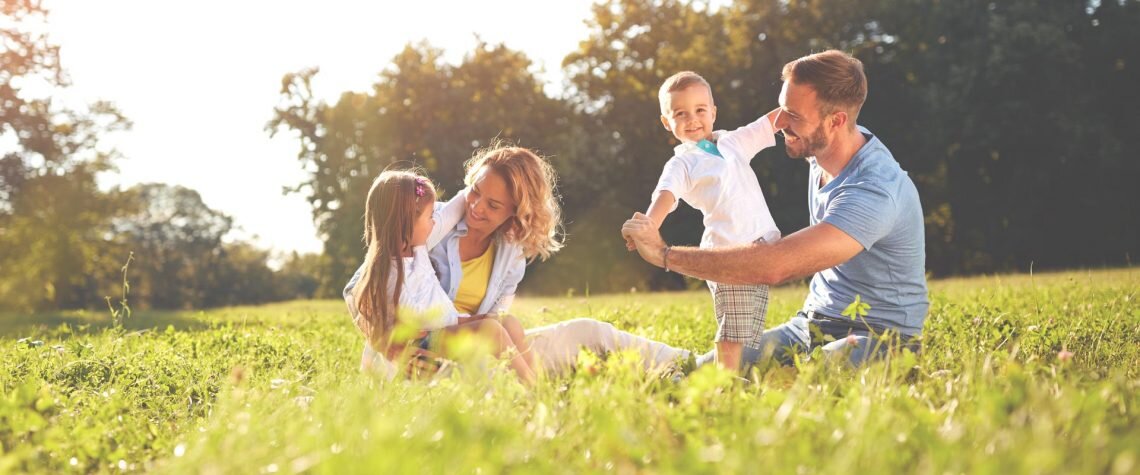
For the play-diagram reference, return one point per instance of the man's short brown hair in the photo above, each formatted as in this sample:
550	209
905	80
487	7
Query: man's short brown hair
836	77
678	82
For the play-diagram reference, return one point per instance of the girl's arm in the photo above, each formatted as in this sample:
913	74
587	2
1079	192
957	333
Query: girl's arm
350	300
423	294
447	216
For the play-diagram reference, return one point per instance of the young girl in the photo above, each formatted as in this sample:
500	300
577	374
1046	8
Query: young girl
397	285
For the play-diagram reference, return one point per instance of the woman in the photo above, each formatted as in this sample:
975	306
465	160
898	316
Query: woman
512	216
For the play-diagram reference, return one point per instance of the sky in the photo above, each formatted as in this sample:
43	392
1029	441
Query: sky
199	80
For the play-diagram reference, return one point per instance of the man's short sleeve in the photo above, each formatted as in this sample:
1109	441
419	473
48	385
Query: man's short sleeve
674	179
863	211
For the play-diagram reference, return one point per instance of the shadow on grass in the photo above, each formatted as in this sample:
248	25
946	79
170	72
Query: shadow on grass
86	322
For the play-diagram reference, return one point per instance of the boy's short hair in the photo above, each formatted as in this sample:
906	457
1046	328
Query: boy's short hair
678	82
836	77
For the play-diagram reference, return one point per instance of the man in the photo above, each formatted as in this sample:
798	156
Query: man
865	240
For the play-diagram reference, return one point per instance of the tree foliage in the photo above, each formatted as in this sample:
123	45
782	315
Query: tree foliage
63	240
421	112
1011	117
54	222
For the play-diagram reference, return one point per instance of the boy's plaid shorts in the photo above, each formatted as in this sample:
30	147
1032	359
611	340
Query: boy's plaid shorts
740	312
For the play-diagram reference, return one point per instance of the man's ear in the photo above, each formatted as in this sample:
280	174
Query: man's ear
839	119
665	122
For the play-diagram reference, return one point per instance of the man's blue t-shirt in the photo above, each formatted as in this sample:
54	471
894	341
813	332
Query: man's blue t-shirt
875	202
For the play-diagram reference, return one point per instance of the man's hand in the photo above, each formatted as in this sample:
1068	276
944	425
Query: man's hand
643	232
632	246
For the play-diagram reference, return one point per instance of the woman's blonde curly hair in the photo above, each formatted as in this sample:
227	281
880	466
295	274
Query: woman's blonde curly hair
537	223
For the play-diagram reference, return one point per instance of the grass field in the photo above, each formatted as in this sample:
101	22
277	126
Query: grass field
275	389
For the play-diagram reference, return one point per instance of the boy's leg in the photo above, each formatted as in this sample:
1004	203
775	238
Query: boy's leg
779	343
740	312
728	354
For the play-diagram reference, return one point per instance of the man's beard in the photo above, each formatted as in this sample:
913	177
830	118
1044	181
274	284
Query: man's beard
807	146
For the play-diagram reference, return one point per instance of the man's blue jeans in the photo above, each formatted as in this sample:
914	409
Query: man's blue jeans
806	331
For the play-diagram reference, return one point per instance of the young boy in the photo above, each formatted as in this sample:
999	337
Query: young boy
711	172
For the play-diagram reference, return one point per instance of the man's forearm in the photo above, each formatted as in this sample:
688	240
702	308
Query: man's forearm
746	264
801	254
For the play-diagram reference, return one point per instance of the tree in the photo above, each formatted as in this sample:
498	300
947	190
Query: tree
1020	135
421	112
177	242
55	246
1013	119
299	276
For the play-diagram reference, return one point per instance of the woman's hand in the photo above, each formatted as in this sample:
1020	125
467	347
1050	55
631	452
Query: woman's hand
474	318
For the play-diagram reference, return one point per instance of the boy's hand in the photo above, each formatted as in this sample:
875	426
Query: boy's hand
773	116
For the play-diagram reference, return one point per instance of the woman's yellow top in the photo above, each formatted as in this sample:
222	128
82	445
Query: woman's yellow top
473	285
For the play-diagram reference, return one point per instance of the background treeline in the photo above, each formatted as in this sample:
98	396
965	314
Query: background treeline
1015	118
63	240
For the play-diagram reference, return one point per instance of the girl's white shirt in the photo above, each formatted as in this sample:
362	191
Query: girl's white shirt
422	294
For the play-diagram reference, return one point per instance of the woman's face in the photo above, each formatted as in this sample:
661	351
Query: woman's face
489	202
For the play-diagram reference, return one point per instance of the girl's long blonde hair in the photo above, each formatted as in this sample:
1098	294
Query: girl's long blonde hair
537	223
394	201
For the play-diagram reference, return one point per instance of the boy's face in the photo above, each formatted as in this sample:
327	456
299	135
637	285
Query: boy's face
690	114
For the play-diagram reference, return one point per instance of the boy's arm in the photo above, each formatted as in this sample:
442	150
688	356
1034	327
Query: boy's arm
674	181
663	204
752	138
773	115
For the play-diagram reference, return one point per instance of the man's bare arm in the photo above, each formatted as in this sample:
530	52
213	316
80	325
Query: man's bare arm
803	253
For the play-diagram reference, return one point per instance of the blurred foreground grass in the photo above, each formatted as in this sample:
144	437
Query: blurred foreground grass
275	389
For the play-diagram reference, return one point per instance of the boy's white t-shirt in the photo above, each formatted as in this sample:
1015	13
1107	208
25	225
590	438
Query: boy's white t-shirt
725	190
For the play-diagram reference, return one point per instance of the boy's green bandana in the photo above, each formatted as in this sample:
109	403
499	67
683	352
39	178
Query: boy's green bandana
709	147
